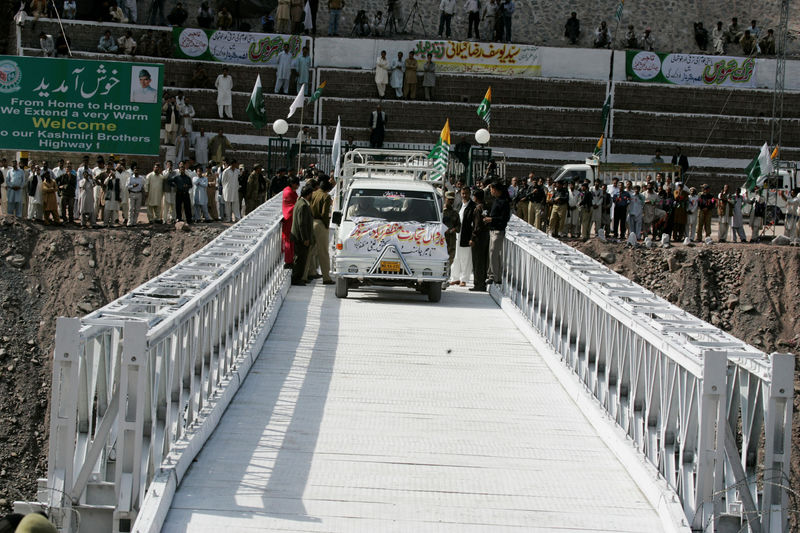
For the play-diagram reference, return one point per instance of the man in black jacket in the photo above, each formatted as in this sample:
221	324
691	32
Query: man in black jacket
497	220
183	184
462	264
479	241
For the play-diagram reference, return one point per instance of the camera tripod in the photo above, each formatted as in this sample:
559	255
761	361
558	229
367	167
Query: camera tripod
411	18
390	26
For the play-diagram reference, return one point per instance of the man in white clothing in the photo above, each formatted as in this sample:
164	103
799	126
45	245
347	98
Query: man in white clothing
284	71
229	182
224	85
201	147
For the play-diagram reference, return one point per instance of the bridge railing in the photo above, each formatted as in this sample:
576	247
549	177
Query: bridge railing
710	413
142	380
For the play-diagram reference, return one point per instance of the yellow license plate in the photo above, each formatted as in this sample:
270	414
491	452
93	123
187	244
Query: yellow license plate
391	266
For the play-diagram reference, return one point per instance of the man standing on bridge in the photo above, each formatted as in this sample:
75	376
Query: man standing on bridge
302	232
497	220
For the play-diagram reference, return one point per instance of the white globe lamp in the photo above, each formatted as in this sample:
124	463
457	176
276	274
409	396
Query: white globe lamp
280	126
482	136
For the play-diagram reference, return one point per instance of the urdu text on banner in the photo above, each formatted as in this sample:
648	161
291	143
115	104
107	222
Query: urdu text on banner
241	47
691	69
481	58
75	105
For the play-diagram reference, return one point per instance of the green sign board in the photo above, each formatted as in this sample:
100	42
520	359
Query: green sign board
75	105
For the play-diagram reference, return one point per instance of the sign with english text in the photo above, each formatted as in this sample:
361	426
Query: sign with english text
691	69
245	48
75	105
480	58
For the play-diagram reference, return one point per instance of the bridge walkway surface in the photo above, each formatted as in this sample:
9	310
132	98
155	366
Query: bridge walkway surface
383	412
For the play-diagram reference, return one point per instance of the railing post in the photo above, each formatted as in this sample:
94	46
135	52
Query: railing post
132	387
777	446
711	440
63	419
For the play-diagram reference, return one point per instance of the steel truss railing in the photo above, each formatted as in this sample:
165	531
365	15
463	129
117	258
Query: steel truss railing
709	412
135	381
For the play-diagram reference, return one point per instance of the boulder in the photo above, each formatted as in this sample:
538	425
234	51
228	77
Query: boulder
85	307
16	260
781	240
608	257
182	226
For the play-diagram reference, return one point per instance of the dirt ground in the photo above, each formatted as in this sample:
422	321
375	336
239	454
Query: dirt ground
47	272
751	291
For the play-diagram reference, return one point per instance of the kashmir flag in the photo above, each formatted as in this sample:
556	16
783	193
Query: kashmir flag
255	107
318	92
606	111
598	148
618	13
441	153
298	101
774	152
484	110
308	22
336	151
758	169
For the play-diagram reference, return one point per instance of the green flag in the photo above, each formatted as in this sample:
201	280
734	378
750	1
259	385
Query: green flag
255	107
606	111
598	149
618	13
758	169
484	110
318	93
441	153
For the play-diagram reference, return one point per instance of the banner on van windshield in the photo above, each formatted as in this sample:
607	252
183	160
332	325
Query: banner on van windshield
371	236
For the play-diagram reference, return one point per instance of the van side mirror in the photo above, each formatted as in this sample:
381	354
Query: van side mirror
336	218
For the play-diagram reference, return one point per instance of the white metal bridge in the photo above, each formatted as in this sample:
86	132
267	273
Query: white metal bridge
570	399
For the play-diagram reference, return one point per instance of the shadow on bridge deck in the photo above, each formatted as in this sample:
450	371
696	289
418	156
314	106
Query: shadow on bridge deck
386	412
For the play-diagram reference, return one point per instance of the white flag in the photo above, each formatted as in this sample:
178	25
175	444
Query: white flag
765	162
298	102
336	152
308	22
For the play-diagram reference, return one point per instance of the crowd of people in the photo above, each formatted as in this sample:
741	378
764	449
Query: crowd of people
655	210
112	192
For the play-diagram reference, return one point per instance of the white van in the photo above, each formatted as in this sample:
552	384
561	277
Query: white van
387	224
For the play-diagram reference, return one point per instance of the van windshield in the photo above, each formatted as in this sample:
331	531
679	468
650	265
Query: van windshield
393	205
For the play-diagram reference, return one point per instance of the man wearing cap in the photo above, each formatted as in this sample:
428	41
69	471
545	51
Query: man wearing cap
321	202
251	192
144	93
705	206
451	219
301	233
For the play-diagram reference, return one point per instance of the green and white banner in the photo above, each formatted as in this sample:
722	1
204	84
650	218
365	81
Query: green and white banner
480	58
74	105
241	47
691	69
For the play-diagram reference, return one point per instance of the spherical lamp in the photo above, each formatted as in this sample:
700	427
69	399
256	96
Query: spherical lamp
280	126
482	136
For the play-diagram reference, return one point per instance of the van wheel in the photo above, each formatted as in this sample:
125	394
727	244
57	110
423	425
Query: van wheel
341	288
435	291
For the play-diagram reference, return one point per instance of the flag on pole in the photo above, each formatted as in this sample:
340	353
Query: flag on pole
318	93
618	13
598	148
484	110
441	153
758	169
606	111
774	152
255	107
336	151
298	101
308	22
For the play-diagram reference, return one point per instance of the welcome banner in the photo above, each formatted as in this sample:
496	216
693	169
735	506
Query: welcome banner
241	47
481	58
75	105
691	69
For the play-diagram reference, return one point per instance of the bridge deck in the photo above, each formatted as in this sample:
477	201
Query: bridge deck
387	413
